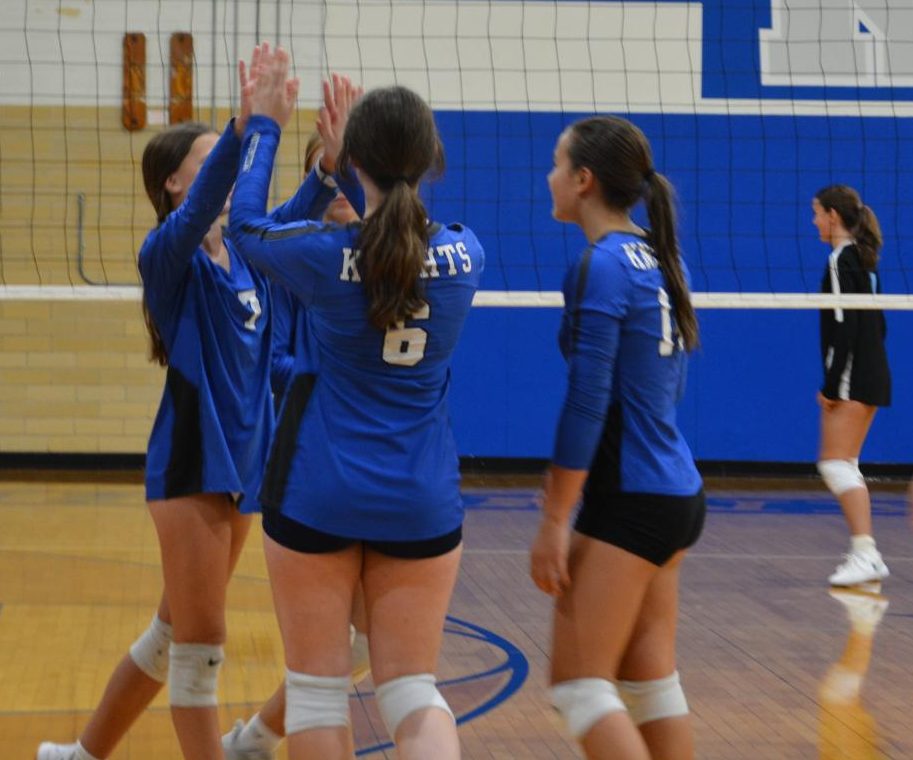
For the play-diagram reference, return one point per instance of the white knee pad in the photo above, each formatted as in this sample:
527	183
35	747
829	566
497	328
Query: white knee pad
193	674
584	701
654	700
841	475
150	651
315	701
399	698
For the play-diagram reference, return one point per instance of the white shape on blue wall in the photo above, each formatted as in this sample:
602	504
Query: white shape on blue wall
838	43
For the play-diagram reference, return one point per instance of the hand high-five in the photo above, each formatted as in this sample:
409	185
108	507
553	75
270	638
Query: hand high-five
269	91
244	115
331	121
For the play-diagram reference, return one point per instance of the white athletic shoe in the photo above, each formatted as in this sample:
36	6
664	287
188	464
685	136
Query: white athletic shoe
51	751
231	743
859	568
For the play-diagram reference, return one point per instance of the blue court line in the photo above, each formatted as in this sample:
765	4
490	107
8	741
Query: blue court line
515	663
504	500
798	506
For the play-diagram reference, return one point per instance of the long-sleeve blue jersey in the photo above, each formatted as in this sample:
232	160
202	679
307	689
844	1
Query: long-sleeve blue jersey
626	371
292	343
294	352
214	422
373	456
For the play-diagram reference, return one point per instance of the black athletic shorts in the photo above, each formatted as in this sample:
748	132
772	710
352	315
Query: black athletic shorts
652	526
300	538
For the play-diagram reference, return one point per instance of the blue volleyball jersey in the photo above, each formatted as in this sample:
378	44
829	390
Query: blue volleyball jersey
373	456
294	352
627	372
214	422
289	339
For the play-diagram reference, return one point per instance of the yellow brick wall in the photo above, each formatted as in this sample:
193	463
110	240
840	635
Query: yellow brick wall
52	155
73	374
74	377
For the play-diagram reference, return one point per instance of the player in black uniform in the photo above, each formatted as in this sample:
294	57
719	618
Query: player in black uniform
857	379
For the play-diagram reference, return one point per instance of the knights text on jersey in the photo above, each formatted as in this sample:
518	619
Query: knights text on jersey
853	340
374	456
627	372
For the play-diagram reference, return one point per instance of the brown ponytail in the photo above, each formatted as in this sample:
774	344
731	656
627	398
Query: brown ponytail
391	136
867	233
394	242
659	198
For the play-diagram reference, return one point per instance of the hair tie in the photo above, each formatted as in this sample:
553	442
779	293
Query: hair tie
649	174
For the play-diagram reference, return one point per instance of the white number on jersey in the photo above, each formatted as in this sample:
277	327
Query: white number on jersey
668	342
405	346
249	298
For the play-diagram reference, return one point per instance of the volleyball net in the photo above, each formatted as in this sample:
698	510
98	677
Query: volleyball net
750	107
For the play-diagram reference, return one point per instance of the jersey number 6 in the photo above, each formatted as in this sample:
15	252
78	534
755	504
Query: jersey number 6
405	346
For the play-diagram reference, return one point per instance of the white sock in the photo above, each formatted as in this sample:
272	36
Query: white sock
82	753
257	735
863	544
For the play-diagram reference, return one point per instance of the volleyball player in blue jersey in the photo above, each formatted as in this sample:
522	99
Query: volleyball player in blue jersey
291	339
208	314
370	488
294	359
857	378
627	326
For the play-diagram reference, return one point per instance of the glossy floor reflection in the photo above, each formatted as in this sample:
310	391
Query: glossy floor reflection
849	731
775	664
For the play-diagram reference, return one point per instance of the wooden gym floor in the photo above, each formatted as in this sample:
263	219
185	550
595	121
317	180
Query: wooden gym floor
770	662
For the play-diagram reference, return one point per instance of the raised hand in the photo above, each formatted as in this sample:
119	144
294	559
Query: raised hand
269	91
243	71
338	100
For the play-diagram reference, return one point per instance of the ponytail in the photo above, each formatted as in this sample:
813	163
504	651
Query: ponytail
157	353
659	198
394	245
867	234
